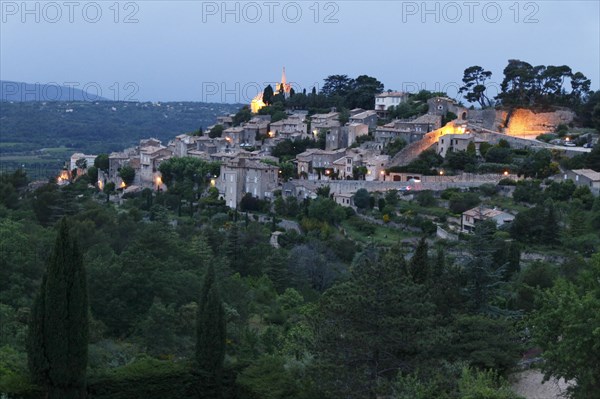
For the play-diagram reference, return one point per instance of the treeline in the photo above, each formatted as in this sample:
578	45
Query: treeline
99	127
539	87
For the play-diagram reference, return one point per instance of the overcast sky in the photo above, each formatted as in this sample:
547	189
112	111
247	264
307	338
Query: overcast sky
222	52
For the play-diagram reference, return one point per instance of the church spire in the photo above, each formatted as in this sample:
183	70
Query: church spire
283	80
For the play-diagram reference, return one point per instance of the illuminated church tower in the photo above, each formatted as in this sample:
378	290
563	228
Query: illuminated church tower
258	103
283	84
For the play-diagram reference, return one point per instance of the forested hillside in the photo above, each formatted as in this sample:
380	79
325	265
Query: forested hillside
41	135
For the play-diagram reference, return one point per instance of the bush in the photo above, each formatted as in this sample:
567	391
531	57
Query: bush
425	198
252	204
461	202
488	189
153	379
447	193
507	182
362	226
362	199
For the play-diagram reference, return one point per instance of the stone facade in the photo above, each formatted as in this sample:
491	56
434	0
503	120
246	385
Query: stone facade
242	175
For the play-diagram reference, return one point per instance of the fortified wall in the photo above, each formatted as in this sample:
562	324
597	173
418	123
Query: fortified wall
528	124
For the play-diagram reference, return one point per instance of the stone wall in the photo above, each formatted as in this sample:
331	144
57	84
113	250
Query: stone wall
435	183
489	118
412	151
526	123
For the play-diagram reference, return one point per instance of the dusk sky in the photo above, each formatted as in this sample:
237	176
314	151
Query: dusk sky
197	51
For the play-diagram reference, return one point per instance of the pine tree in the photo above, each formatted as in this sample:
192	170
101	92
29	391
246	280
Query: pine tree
483	277
210	338
58	338
371	326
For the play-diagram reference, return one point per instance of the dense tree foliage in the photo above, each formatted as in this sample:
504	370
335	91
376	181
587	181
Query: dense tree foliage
527	85
566	326
345	305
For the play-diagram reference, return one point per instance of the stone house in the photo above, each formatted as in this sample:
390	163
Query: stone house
368	118
336	137
344	199
116	161
442	105
317	164
89	159
384	101
242	175
584	177
225	121
457	142
292	127
472	217
354	131
211	146
254	128
150	159
407	130
182	144
235	136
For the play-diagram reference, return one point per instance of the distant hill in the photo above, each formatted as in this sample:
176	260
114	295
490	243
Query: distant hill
20	91
40	134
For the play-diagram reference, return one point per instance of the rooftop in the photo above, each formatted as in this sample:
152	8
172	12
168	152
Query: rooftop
589	173
391	94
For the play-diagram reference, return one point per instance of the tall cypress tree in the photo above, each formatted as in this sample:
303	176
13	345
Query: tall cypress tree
210	337
419	263
36	356
58	340
550	225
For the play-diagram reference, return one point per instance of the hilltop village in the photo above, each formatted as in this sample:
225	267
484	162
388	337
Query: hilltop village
258	158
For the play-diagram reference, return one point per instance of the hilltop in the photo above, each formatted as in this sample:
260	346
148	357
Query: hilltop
27	92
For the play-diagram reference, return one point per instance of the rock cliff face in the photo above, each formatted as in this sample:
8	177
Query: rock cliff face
526	123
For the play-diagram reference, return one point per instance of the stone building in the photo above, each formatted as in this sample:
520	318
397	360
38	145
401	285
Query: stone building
407	130
384	101
241	175
457	142
150	159
472	217
584	177
368	118
442	105
317	164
